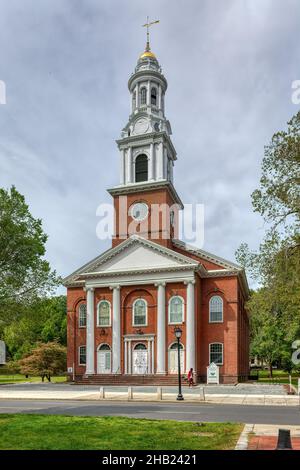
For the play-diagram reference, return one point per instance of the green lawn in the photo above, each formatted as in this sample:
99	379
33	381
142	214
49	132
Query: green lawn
46	432
279	377
18	378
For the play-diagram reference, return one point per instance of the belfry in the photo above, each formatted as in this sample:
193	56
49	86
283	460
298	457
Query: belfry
123	305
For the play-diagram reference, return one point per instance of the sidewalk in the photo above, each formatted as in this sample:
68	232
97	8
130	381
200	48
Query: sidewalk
73	394
265	436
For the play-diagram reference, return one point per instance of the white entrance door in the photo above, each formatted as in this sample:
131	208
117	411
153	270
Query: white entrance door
103	362
140	360
173	361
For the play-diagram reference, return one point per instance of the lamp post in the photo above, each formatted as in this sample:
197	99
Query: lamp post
178	333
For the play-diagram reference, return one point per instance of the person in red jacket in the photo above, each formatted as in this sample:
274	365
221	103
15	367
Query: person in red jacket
191	377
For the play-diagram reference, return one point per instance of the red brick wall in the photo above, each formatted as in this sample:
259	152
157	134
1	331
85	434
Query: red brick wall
158	196
233	332
226	332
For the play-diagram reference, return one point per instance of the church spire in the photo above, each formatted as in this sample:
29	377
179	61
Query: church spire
147	52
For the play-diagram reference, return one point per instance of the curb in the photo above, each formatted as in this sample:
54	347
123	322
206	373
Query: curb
242	443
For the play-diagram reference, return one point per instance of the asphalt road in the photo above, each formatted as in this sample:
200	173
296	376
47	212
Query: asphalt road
178	411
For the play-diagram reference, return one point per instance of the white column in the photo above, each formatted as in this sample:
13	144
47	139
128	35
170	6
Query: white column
138	95
149	356
190	326
125	357
129	165
122	169
116	332
129	357
160	161
171	171
161	329
165	163
149	94
159	96
90	332
152	356
151	163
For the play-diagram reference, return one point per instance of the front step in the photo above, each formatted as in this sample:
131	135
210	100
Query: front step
115	379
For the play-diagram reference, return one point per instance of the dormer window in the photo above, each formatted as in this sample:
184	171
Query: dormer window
143	96
153	96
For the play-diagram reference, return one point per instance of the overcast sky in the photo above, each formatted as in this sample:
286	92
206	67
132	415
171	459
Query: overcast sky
229	64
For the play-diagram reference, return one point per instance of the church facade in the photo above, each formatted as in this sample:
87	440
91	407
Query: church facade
125	305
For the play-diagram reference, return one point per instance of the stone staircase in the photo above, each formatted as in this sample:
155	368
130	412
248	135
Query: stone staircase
126	380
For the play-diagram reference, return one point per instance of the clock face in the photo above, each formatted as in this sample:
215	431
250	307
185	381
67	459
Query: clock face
139	211
141	126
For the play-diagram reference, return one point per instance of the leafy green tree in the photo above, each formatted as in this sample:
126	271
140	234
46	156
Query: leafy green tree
278	198
46	360
24	273
275	308
268	340
43	320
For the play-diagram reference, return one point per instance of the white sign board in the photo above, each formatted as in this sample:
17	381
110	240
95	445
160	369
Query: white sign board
2	353
70	370
212	374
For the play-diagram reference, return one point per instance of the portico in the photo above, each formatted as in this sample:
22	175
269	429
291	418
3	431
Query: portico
152	355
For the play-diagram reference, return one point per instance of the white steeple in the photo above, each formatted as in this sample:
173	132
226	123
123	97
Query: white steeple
147	153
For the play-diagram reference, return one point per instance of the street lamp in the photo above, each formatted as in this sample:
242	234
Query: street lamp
178	333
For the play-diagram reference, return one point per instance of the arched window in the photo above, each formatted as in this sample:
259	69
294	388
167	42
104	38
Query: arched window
141	168
140	313
153	96
104	313
82	315
173	358
216	353
82	355
143	96
104	359
176	306
140	346
216	309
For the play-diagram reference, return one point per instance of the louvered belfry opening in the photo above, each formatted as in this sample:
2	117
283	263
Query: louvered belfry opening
141	168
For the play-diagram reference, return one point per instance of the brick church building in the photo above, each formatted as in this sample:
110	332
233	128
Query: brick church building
124	305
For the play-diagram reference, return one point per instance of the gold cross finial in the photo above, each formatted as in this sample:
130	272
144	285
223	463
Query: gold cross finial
147	25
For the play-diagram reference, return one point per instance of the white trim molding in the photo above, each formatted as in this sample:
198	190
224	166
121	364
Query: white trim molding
98	305
183	310
146	312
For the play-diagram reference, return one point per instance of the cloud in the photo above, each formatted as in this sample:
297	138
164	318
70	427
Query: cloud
229	65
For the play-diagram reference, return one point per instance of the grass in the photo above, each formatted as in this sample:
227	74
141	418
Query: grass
279	377
49	432
18	378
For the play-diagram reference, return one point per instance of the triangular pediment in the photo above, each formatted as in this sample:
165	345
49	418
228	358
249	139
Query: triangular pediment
137	257
134	255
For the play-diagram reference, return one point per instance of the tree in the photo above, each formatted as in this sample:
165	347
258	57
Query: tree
275	308
267	335
278	198
43	320
24	273
46	360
